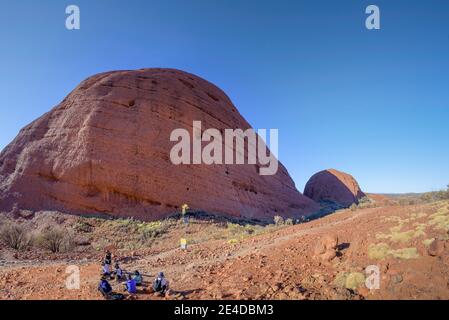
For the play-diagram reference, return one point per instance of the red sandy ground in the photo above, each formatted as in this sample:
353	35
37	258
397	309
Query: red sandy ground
275	265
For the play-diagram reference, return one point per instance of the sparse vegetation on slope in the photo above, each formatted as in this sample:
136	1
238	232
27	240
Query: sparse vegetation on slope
239	259
15	236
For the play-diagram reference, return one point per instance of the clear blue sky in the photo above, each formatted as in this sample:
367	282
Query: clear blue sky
371	103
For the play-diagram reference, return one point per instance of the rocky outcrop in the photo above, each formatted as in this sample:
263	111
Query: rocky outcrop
326	248
335	186
436	248
105	149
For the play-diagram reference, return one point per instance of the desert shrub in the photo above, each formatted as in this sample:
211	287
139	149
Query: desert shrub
406	236
353	207
302	219
366	202
378	251
440	219
435	195
405	253
153	230
149	234
235	229
55	239
381	251
349	280
15	236
249	229
427	197
355	280
340	279
278	220
427	242
82	226
289	221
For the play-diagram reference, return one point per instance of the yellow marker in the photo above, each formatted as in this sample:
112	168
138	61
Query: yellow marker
184	208
183	243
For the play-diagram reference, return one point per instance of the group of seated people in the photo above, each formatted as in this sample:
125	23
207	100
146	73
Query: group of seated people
131	280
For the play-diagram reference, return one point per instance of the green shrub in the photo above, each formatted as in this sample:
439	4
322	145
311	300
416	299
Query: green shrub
15	236
55	239
427	242
349	280
378	251
355	280
153	230
278	220
405	253
435	195
82	226
381	251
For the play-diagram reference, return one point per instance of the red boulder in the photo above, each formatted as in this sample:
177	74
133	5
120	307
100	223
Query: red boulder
333	185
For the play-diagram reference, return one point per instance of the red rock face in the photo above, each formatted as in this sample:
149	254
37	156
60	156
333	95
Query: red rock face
106	148
333	185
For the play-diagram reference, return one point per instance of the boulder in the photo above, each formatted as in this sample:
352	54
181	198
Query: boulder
105	149
335	186
326	248
436	248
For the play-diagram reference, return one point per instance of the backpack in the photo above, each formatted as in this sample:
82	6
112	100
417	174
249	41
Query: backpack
105	286
157	285
116	296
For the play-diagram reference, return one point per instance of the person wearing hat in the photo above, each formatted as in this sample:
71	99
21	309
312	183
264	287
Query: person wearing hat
130	285
104	287
118	272
160	284
138	278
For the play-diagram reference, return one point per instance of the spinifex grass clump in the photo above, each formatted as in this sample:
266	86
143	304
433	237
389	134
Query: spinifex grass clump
382	251
440	219
350	280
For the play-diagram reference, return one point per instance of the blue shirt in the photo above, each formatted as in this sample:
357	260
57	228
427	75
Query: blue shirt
138	279
105	286
131	286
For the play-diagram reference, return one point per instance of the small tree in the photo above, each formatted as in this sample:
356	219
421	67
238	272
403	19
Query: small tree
15	236
278	220
52	239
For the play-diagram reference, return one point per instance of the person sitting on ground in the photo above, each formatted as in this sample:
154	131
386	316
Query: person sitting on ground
108	258
130	285
104	287
118	273
106	270
160	284
138	278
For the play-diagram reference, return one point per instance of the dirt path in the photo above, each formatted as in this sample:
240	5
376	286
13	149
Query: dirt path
279	264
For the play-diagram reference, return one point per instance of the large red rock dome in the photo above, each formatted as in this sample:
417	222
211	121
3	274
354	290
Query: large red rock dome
105	149
333	185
